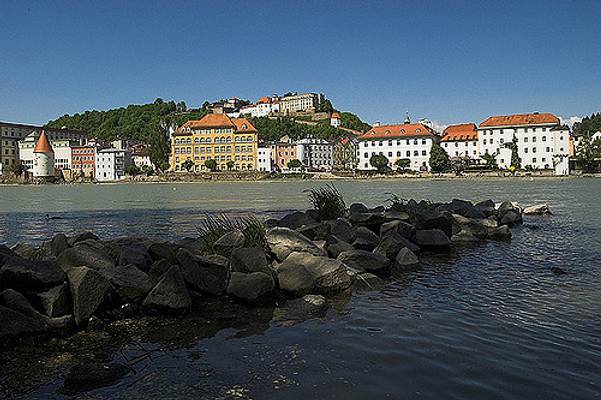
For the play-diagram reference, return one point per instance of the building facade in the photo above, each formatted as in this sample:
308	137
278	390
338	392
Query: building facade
300	102
83	160
315	154
111	164
215	137
264	159
542	142
43	157
335	120
344	154
62	150
281	154
402	141
461	141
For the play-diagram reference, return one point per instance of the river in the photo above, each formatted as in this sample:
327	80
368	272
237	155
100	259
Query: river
489	322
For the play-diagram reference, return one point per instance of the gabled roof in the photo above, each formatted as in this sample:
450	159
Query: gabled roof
210	121
243	125
43	145
335	115
397	131
520	119
453	133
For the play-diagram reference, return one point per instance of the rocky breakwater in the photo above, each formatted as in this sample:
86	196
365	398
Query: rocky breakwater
70	282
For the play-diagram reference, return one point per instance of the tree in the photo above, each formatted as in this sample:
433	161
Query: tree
132	170
211	165
325	106
587	152
230	165
439	159
491	161
516	162
147	169
380	162
402	164
294	163
181	107
188	165
159	147
17	168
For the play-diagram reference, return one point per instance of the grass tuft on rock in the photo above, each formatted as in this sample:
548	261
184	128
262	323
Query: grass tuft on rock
215	226
328	202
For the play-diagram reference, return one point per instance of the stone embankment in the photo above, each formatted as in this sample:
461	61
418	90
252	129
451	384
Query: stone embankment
70	283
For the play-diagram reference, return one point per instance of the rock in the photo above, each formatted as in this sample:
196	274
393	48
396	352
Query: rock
406	260
358	208
158	268
342	229
404	229
89	290
24	250
511	218
464	237
130	283
465	208
304	308
5	254
162	250
335	246
316	231
228	242
250	287
368	281
558	271
14	324
302	273
500	233
204	273
54	301
81	237
170	293
19	273
87	255
486	207
441	220
396	215
137	255
58	244
370	220
365	261
249	260
472	226
283	241
539	209
296	220
16	301
366	239
83	378
391	243
434	239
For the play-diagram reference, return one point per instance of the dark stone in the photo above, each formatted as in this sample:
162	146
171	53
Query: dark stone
20	273
204	273
303	273
500	233
89	290
465	208
25	250
358	208
162	250
283	241
158	268
390	245
366	239
558	271
368	281
54	301
335	246
16	301
442	220
135	254
83	378
250	287
85	255
434	239
486	207
228	242
58	244
250	259
170	293
81	237
404	229
406	260
130	283
5	254
342	229
296	220
361	260
306	307
316	231
14	324
511	218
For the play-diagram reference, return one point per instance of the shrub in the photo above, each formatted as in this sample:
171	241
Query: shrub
215	226
328	202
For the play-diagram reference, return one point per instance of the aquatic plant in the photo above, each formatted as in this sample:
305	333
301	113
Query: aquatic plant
215	226
328	202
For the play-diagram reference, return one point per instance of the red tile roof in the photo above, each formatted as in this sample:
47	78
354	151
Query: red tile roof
210	121
521	119
459	132
335	115
394	131
264	99
43	145
243	125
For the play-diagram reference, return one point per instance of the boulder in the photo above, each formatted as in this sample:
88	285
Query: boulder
465	208
283	241
433	239
24	250
83	378
511	218
137	255
296	220
85	254
486	207
316	231
131	284
228	242
358	208
441	220
158	268
54	301
368	281
342	229
308	306
208	274
406	260
404	229
162	250
366	239
335	246
464	237
364	261
500	233
170	293
302	273
391	243
370	220
16	301
80	237
538	209
5	254
249	260
14	324
19	273
89	290
472	226
58	244
250	287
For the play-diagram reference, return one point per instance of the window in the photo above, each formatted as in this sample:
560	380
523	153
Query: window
526	150
408	153
390	154
534	160
533	139
548	149
525	140
416	153
423	152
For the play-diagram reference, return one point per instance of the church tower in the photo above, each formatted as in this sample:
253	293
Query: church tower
43	157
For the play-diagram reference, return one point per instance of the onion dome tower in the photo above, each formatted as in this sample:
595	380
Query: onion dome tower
43	157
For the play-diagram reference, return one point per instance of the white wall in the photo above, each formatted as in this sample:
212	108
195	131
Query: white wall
461	148
264	161
415	149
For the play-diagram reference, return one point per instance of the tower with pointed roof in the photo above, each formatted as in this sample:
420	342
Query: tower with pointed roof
407	119
43	163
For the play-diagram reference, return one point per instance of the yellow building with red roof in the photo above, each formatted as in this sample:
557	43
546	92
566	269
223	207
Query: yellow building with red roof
231	142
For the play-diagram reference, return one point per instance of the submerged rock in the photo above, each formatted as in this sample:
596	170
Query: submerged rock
306	307
83	378
361	260
539	209
406	260
434	239
250	287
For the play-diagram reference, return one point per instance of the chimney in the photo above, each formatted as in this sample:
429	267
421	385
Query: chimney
377	123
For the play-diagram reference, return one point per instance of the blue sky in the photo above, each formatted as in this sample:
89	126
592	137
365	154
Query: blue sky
449	61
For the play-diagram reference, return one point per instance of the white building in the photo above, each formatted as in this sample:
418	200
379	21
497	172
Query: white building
111	164
461	141
264	107
402	141
300	102
43	163
542	142
315	154
62	149
264	159
335	120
